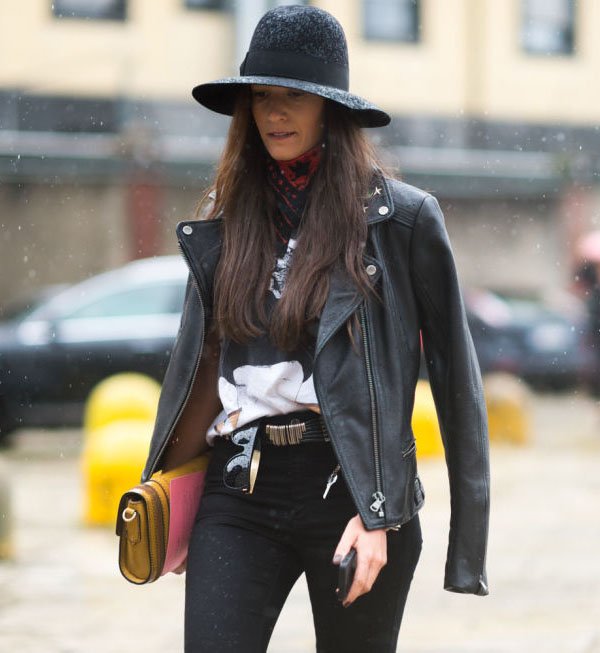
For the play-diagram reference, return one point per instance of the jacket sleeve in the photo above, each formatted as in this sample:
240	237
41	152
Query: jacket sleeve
458	393
180	369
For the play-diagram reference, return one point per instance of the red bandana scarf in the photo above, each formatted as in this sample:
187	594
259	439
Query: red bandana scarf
290	181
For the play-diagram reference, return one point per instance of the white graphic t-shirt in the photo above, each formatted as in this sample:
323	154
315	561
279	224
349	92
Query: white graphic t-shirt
256	379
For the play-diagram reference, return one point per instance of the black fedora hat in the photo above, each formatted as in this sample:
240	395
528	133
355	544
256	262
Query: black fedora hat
297	47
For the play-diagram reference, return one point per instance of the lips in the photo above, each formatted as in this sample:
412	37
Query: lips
280	134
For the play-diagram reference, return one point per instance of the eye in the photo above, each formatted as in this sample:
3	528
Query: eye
259	95
296	94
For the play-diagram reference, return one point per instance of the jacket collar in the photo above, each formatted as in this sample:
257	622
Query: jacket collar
200	243
379	205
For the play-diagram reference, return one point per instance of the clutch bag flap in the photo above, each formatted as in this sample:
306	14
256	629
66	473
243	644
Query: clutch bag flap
155	519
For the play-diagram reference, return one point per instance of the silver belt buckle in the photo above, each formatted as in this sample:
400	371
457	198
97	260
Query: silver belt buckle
282	434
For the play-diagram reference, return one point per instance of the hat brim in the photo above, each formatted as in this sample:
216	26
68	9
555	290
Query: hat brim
220	96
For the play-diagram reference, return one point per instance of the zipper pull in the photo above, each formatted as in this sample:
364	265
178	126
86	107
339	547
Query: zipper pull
333	477
378	501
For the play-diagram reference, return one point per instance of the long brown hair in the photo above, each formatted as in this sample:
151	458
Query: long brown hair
333	229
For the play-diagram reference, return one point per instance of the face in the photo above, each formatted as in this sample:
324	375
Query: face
289	121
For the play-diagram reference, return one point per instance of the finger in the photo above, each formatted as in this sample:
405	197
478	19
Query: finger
362	585
359	585
367	574
345	544
374	568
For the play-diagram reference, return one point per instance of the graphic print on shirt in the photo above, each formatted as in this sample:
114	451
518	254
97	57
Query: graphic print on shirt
257	379
282	265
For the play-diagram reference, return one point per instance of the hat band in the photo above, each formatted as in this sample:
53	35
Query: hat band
268	63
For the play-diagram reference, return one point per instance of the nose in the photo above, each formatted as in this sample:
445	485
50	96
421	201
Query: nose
275	108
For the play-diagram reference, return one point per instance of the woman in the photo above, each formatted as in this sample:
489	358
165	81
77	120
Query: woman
312	278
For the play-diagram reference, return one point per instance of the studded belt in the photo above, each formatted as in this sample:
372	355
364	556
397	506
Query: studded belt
295	428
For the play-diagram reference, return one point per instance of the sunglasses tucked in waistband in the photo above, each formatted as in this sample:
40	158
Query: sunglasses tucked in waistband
239	472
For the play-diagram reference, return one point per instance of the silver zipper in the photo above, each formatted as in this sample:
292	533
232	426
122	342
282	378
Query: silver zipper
333	477
197	365
378	501
378	496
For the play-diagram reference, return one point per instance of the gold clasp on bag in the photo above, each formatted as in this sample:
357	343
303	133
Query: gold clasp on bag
129	514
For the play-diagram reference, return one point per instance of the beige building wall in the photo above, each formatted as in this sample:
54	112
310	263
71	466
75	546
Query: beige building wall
515	85
161	50
64	233
510	245
469	60
404	78
59	234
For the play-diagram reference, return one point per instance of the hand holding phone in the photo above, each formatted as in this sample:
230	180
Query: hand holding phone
346	574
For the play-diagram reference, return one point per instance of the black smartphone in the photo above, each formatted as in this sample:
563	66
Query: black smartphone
346	574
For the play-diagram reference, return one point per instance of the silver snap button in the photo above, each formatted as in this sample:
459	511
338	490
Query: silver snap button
187	230
371	269
383	210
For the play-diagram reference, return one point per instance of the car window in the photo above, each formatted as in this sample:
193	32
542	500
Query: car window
527	311
143	300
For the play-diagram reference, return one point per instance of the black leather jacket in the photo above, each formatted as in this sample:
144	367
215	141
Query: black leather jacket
366	390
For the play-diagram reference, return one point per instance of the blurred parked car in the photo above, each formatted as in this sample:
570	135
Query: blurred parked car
52	356
55	350
24	304
524	337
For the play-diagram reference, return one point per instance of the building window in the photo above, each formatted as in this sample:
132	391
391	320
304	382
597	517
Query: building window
280	3
96	9
391	20
548	26
207	4
229	4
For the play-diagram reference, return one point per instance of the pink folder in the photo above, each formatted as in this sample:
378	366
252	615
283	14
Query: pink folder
185	494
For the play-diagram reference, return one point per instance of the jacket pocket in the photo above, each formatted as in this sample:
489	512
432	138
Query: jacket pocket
410	450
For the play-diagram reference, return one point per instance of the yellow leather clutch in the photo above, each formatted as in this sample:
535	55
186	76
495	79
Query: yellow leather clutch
155	520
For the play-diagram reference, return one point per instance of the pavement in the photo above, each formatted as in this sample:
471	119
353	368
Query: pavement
62	592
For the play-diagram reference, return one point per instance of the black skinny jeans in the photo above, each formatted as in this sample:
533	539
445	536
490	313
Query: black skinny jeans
247	551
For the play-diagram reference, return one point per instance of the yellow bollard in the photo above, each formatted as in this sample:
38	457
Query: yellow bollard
508	405
425	423
118	421
6	522
112	462
125	396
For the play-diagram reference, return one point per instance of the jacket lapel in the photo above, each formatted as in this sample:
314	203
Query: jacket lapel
344	298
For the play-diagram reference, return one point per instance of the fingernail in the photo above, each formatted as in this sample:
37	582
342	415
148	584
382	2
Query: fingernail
337	559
